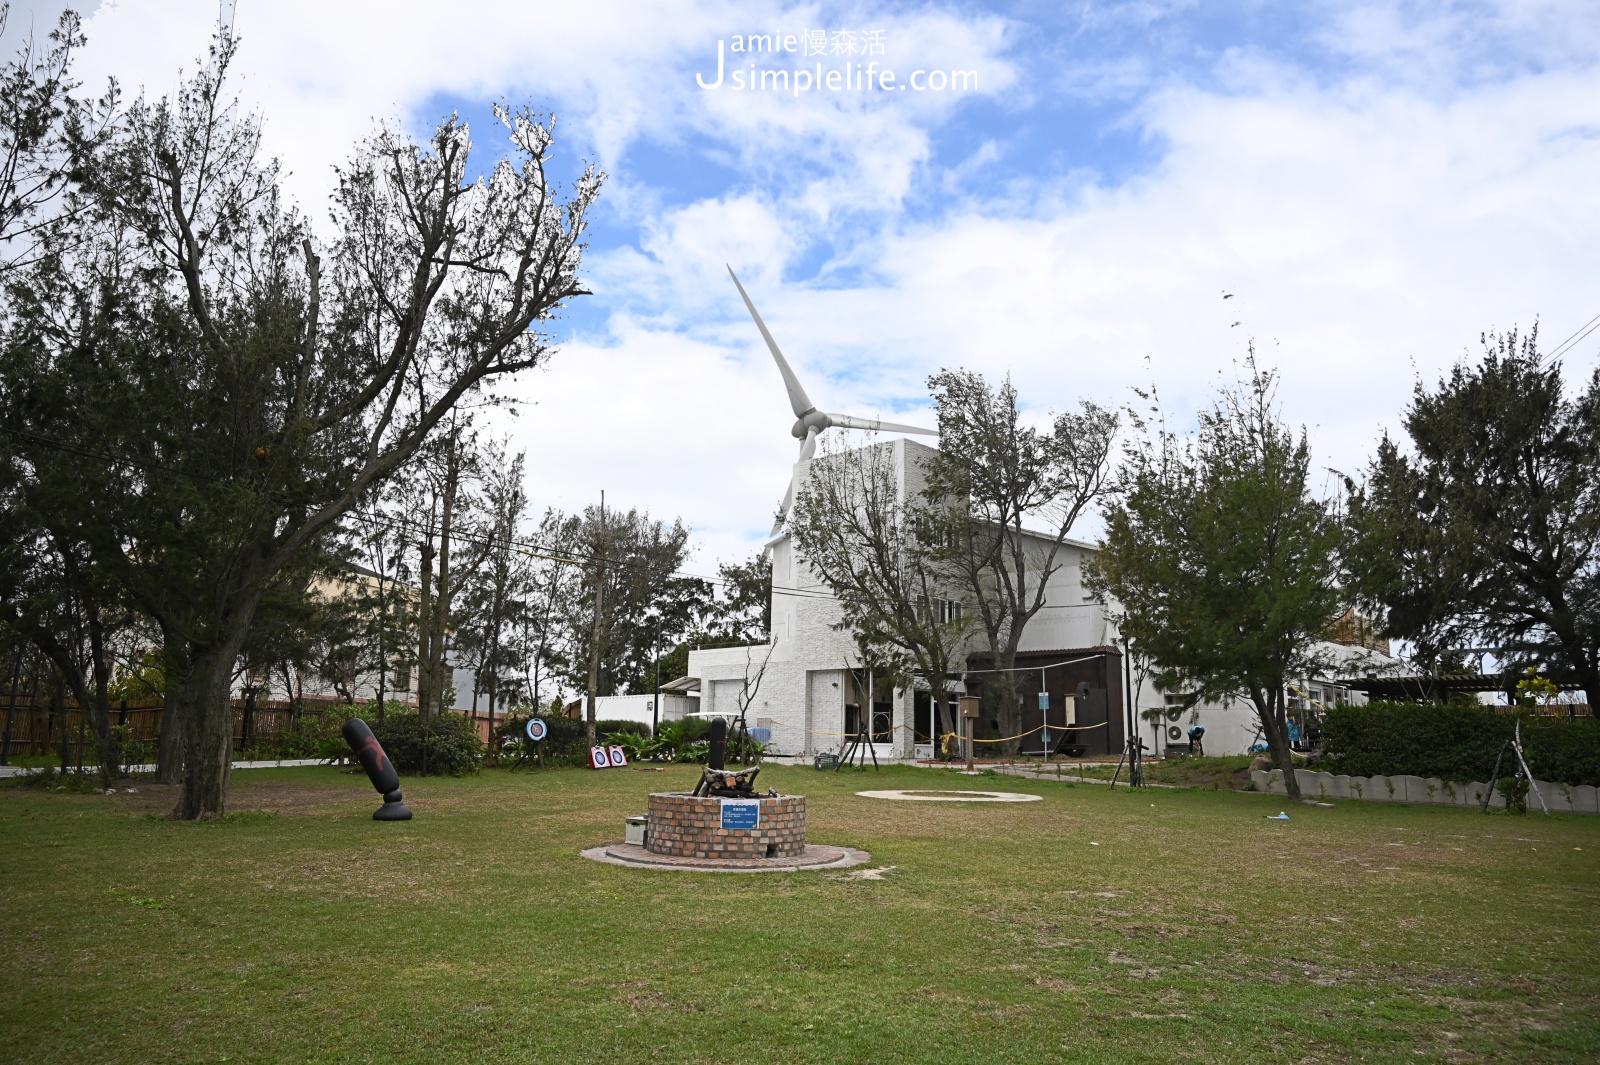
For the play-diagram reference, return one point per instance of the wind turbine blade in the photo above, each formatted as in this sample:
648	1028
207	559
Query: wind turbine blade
797	396
808	446
845	421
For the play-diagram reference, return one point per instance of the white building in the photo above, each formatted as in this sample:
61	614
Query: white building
808	686
1231	725
674	706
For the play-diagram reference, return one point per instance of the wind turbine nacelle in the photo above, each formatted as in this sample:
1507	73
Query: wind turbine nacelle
813	422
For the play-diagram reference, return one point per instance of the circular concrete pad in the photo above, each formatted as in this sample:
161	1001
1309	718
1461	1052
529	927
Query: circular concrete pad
813	857
952	796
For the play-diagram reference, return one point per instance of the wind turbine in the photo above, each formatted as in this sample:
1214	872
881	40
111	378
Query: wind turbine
809	421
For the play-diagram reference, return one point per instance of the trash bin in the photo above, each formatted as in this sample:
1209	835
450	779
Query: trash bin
635	830
826	760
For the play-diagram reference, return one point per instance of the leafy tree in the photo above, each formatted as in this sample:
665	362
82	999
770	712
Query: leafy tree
1007	472
627	590
244	389
543	627
743	611
877	552
1225	569
54	597
383	604
45	133
498	592
1485	530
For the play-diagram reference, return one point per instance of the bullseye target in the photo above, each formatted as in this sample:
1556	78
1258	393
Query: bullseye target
536	730
618	758
598	758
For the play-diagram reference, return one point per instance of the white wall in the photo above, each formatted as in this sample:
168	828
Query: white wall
801	690
640	707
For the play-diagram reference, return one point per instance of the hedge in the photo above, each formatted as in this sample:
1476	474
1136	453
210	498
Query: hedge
445	744
1455	741
566	741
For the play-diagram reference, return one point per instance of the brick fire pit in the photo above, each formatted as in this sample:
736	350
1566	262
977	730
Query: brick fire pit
689	826
764	835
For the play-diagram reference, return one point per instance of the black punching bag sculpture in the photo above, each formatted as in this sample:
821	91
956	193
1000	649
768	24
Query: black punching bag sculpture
379	770
719	744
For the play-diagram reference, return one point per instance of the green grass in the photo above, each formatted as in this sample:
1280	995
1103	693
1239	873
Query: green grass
1196	930
1228	772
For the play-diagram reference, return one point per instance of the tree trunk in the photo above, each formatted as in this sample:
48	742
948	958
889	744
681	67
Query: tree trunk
1275	727
495	612
425	629
208	750
594	644
174	708
494	748
99	708
1009	709
598	628
441	602
383	624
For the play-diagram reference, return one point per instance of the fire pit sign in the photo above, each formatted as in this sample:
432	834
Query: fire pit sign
741	813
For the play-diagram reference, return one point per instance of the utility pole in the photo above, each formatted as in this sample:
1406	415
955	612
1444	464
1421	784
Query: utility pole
599	612
655	708
1130	717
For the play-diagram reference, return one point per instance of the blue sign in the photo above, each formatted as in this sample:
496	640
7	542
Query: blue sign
1044	700
536	729
741	813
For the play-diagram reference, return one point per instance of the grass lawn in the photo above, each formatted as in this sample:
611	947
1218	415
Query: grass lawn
1095	926
1229	773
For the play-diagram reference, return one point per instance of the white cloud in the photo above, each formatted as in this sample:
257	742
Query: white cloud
1372	213
1367	235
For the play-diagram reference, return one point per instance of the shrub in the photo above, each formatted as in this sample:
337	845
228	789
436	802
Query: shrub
566	741
613	727
443	745
1455	741
683	741
315	735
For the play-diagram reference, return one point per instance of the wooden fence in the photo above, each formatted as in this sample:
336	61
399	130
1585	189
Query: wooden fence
36	728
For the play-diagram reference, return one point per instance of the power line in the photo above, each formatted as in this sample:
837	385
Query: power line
534	549
1584	330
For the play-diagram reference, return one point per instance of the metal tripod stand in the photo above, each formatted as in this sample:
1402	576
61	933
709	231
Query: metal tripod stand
1514	745
858	743
1131	752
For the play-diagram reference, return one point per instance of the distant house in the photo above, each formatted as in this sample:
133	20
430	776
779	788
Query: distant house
1231	725
674	706
269	682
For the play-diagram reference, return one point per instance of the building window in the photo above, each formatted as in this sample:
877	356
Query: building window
949	610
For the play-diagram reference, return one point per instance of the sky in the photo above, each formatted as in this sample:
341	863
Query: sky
1372	185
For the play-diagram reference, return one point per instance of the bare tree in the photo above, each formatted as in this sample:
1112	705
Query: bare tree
1007	473
748	690
875	546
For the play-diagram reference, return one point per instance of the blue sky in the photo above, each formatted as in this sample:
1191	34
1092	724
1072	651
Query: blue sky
1376	182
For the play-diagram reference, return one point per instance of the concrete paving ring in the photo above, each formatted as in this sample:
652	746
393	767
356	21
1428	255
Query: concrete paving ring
951	796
